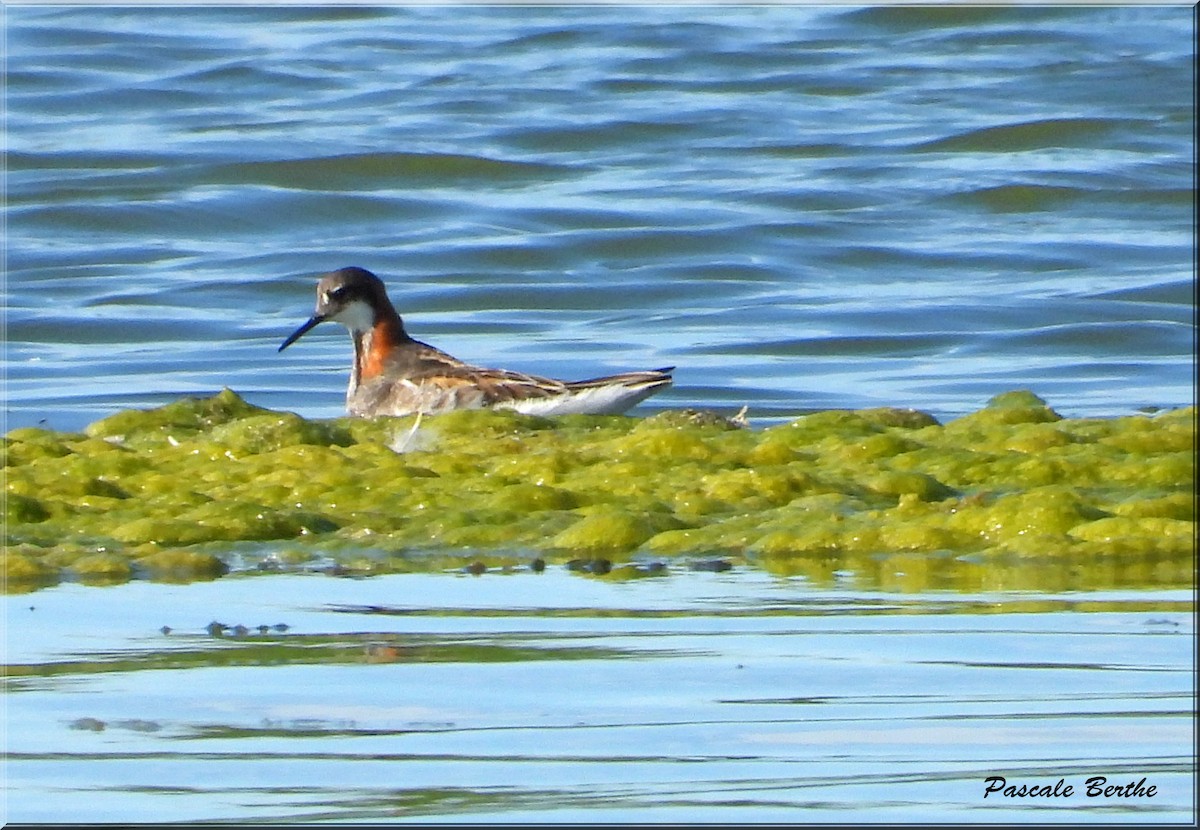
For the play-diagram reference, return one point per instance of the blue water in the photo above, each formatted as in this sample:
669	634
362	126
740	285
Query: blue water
727	698
800	207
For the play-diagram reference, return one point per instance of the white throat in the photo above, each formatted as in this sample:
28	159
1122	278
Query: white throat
356	315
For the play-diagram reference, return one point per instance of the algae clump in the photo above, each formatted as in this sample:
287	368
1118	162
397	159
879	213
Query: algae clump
1012	495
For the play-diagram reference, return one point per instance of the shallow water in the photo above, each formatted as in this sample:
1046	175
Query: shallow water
801	207
557	697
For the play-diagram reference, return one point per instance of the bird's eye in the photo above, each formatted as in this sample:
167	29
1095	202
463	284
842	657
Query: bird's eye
336	294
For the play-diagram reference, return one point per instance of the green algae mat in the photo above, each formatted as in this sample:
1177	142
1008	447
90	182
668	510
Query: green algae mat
1012	496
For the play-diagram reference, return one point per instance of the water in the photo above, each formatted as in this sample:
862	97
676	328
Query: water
554	697
800	207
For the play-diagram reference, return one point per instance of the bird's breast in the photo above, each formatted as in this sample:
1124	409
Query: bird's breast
379	343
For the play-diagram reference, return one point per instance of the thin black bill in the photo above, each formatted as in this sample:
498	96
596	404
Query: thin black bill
300	332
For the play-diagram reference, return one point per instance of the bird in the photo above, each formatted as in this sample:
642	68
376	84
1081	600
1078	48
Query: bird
393	374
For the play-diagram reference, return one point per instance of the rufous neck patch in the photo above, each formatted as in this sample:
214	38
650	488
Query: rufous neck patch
385	335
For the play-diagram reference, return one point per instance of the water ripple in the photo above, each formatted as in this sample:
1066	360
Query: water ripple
926	205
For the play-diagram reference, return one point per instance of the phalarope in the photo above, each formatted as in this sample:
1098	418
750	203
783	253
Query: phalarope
393	374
